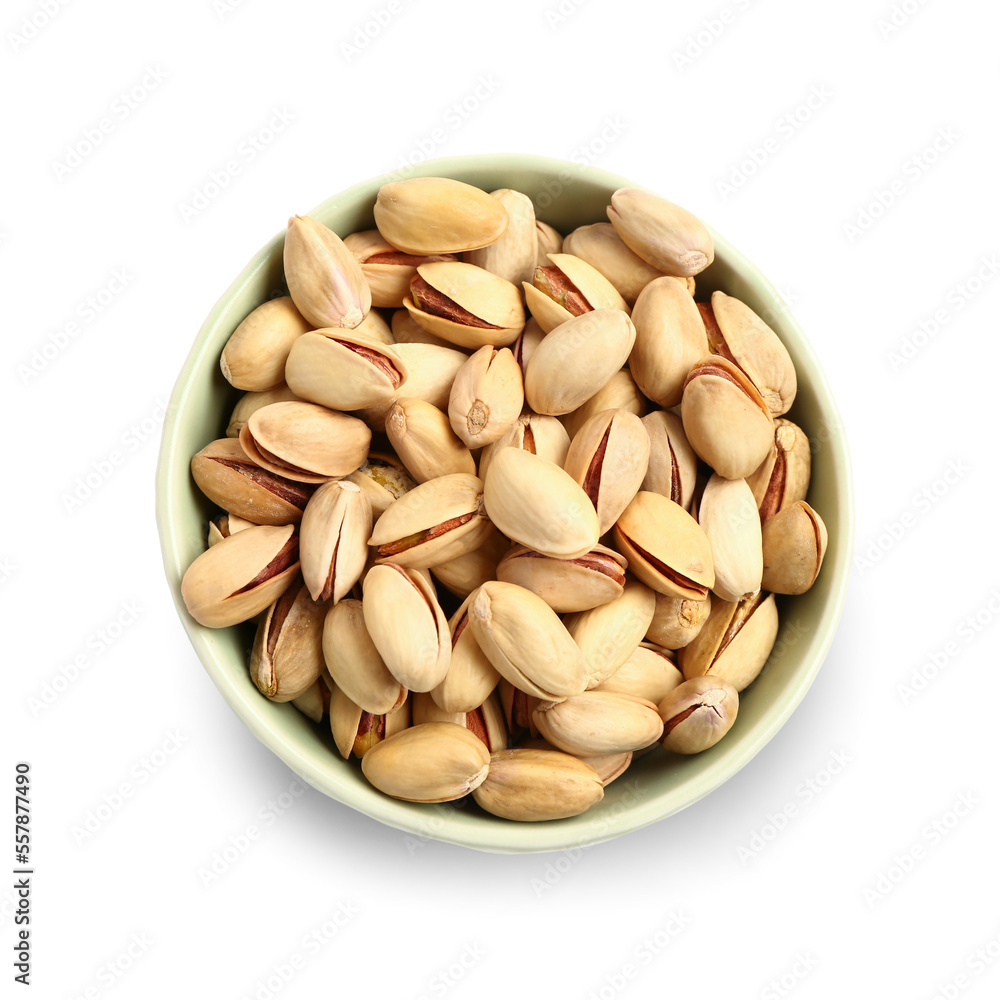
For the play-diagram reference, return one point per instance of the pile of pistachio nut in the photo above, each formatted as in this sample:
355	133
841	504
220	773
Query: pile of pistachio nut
604	496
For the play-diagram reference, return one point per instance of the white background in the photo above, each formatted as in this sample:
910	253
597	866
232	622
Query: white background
882	881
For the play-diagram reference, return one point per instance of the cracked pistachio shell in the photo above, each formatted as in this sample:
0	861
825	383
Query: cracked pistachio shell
254	356
608	457
728	515
538	785
305	442
673	465
383	479
435	522
517	708
601	247
620	393
487	397
610	633
357	731
534	502
527	643
599	722
407	625
795	541
540	435
669	339
736	332
549	241
677	620
665	547
224	526
431	372
387	270
436	215
250	402
663	234
405	330
355	664
287	656
228	478
336	526
324	278
527	342
608	765
485	721
241	575
512	257
431	762
314	701
649	673
735	641
422	437
566	585
471	677
783	477
725	419
566	287
465	304
697	714
343	371
576	359
465	573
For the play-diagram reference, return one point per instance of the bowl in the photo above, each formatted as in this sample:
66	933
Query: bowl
566	195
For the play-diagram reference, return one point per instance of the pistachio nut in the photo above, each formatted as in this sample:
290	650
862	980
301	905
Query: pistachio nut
471	677
669	339
697	714
241	575
406	330
465	304
355	664
540	435
737	333
422	437
305	442
601	247
610	633
673	465
324	278
517	710
735	641
663	234
677	620
463	574
783	477
512	256
576	359
607	765
665	547
227	477
526	642
649	673
534	502
387	270
568	287
728	516
599	722
486	397
485	721
609	457
357	731
566	585
343	371
314	701
432	762
438	215
224	526
795	541
407	625
538	785
251	401
527	342
435	522
549	241
620	393
287	656
255	354
336	526
725	419
383	479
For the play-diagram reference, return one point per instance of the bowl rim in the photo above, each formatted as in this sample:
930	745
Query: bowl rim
517	837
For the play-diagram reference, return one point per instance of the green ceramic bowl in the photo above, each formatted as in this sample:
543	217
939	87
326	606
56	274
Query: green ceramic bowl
565	195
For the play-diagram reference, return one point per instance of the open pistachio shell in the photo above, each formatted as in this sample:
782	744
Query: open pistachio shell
387	270
512	256
697	714
255	354
620	393
566	287
783	477
599	722
487	397
517	709
356	731
540	435
471	677
601	247
795	541
383	479
677	620
252	401
528	340
485	721
424	441
673	465
649	673
728	515
336	526
607	765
